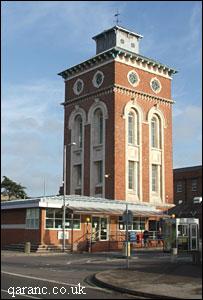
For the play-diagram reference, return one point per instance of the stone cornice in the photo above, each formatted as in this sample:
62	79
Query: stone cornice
122	90
146	63
134	93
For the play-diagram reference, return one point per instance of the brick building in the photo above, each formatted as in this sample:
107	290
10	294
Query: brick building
118	123
188	193
117	135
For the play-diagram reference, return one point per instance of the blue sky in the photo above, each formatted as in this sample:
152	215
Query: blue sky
40	39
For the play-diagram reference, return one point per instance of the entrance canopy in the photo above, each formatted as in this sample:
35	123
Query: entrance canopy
87	205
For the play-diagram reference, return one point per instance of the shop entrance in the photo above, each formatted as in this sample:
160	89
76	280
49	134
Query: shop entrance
187	236
100	229
181	233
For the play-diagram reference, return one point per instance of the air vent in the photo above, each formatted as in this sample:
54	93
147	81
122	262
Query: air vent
197	199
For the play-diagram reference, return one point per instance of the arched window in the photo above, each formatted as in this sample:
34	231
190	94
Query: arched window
79	131
133	137
98	127
155	132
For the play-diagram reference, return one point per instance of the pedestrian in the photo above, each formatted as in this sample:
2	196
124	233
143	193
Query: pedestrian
145	237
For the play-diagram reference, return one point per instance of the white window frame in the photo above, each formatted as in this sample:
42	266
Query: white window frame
179	187
67	219
155	133
156	179
194	185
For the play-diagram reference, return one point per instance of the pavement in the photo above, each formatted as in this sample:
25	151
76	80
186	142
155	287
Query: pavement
177	278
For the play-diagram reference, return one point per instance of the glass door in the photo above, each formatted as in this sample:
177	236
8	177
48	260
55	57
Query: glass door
193	236
103	229
95	228
99	229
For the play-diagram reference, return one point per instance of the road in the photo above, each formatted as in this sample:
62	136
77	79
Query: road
60	276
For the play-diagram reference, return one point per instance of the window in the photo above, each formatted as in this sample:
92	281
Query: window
133	45
54	219
32	218
98	126
99	172
122	41
155	85
132	175
155	133
194	185
79	131
133	128
155	178
131	172
138	224
179	187
131	131
78	169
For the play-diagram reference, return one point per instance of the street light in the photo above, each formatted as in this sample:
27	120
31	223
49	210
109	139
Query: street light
64	194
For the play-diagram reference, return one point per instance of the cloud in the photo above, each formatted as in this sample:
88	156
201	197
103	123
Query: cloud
32	134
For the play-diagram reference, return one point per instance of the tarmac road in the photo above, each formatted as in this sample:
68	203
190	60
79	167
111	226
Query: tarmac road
60	276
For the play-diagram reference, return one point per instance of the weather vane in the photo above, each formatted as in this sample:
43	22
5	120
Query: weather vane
117	19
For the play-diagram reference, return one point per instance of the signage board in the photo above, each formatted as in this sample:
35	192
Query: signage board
127	217
60	235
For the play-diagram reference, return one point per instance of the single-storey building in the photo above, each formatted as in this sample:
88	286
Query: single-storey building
91	224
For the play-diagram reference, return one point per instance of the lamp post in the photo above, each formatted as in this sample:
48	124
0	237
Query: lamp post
64	194
89	245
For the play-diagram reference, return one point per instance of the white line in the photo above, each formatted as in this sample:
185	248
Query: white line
20	294
48	280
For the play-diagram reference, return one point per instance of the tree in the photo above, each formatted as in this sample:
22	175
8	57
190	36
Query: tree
12	189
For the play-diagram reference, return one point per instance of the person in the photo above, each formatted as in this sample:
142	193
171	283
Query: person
145	237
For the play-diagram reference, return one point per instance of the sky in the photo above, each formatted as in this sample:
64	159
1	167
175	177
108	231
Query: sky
42	38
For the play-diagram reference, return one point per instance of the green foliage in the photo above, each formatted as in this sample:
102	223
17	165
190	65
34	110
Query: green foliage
12	189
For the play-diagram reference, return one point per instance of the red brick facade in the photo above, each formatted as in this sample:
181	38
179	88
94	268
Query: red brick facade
115	73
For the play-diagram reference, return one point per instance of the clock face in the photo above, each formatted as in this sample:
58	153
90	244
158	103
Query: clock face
155	85
133	78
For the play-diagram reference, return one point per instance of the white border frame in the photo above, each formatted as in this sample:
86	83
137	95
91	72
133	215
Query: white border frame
136	83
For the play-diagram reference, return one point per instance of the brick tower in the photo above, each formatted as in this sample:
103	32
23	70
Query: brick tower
118	123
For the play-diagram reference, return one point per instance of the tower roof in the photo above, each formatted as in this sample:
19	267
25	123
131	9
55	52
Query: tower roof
115	28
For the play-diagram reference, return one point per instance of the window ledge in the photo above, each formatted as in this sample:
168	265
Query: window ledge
99	185
77	151
98	146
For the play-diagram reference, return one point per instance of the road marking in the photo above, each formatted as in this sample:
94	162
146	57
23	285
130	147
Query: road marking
48	280
28	296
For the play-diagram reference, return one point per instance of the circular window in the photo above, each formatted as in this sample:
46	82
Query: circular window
155	85
133	78
98	79
78	86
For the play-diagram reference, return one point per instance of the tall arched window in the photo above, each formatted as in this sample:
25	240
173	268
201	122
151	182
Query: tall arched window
155	132
98	127
78	131
133	128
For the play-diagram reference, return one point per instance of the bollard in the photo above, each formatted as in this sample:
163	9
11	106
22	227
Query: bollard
27	247
125	249
174	251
